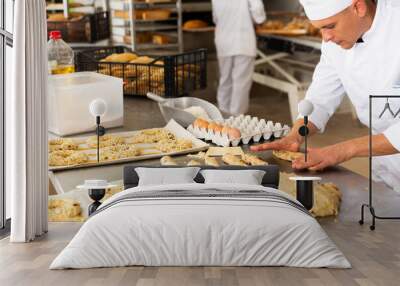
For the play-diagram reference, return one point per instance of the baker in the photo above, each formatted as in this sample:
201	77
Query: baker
360	55
235	40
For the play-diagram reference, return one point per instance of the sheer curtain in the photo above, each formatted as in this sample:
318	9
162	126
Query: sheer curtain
26	123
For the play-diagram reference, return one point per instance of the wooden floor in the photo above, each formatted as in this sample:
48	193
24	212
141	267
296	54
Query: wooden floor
375	257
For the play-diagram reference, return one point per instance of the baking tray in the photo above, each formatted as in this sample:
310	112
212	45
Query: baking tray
150	151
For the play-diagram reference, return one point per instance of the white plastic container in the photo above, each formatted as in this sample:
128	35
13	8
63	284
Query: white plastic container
70	96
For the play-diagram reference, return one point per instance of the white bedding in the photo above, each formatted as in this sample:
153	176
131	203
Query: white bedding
189	231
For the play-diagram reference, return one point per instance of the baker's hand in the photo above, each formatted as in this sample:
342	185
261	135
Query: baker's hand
321	158
288	143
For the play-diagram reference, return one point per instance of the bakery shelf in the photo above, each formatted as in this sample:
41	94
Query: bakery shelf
156	28
156	20
129	14
158	46
55	7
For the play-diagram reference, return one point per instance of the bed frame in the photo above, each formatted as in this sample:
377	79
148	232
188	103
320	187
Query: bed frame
271	177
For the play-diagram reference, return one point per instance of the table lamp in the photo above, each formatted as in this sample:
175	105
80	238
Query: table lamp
98	108
305	108
96	190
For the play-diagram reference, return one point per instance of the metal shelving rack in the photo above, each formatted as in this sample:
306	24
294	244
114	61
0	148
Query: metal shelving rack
58	7
171	27
64	7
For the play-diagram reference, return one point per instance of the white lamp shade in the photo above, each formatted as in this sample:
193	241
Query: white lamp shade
305	107
98	107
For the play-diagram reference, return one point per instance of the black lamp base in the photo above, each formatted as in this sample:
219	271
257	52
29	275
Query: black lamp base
96	195
305	193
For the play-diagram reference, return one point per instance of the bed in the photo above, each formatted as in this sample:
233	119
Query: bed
199	224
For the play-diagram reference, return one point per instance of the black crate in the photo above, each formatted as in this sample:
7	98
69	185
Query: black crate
170	76
89	29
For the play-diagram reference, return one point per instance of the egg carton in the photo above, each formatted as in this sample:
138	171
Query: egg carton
251	128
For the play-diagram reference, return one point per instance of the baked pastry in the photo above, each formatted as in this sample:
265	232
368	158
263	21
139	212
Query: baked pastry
168	161
253	160
105	141
142	60
233	160
193	163
118	70
195	24
56	17
161	39
286	155
211	161
156	14
120	58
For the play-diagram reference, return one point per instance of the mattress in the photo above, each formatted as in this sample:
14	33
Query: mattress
201	225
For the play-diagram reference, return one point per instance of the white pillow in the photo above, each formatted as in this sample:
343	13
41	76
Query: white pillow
243	177
166	176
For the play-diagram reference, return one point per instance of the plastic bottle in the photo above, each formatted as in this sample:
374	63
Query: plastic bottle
60	55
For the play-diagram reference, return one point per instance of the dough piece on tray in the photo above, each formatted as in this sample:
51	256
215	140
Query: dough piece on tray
168	161
193	163
67	157
233	160
105	141
152	136
175	145
221	151
198	156
69	144
211	161
56	141
56	160
62	144
78	158
119	152
286	155
253	160
64	210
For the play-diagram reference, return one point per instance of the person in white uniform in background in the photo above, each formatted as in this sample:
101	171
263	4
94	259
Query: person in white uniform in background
360	55
235	40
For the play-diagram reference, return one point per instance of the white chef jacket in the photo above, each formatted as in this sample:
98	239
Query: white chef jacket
234	20
361	71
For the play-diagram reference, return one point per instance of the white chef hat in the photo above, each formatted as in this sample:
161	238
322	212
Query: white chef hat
321	9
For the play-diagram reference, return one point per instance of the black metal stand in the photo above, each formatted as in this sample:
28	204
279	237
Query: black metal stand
96	195
100	131
303	131
370	201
